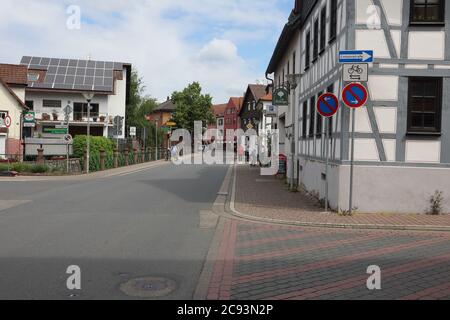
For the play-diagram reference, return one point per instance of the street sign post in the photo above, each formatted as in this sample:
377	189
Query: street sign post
355	95
356	72
356	56
327	106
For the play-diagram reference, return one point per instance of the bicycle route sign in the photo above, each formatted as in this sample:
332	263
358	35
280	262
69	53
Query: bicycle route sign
327	105
356	72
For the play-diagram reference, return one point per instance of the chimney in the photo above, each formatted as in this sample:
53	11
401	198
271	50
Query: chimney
297	6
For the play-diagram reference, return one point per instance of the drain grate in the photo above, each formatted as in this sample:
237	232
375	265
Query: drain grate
149	287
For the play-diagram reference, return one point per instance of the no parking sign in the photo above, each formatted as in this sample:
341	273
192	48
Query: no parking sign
355	95
327	105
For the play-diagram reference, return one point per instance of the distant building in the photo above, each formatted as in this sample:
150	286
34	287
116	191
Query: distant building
231	114
55	83
13	81
163	113
250	115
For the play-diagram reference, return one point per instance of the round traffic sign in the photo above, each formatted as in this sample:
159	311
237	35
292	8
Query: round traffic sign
8	121
355	95
327	105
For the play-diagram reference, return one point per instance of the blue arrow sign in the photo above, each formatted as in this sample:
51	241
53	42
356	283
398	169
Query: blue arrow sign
356	56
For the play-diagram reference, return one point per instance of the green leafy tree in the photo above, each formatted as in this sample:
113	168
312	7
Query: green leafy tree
136	99
192	105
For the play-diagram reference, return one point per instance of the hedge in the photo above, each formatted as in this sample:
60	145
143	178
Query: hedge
24	168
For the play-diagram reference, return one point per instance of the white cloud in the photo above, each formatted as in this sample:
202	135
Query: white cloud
170	42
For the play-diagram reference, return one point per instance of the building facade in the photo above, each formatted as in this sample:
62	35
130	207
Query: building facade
250	115
402	136
54	84
13	81
231	115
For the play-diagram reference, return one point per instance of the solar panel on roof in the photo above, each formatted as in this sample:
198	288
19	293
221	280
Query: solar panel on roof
74	74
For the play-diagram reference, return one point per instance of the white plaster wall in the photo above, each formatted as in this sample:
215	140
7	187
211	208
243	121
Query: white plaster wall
11	105
389	149
366	150
373	40
383	87
423	151
393	10
386	119
426	45
398	189
117	101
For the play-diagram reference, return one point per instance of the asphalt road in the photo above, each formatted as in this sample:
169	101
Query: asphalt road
115	229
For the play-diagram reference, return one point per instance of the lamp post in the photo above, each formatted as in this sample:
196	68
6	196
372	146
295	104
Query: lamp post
88	96
293	80
156	140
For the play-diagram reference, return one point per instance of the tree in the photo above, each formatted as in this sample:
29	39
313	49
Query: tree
191	105
136	98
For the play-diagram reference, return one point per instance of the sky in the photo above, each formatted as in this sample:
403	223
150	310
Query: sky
223	44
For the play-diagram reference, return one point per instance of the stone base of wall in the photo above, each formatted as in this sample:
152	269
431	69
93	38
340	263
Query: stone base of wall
378	189
14	147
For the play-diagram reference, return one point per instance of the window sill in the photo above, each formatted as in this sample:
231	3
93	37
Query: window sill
424	134
427	24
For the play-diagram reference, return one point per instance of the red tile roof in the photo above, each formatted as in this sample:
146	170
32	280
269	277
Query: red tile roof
236	102
14	74
267	97
219	109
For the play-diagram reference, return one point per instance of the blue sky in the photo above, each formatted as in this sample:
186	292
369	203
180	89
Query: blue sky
223	44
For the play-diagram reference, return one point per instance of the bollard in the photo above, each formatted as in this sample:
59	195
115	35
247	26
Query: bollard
127	157
135	156
102	159
40	156
116	158
142	154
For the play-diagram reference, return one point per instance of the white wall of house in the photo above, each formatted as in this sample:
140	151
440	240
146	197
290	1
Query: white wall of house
9	104
403	169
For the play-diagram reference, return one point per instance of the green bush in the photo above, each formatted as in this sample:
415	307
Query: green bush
96	144
39	169
24	168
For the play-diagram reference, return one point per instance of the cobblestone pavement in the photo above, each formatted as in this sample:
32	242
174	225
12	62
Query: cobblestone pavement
260	261
267	197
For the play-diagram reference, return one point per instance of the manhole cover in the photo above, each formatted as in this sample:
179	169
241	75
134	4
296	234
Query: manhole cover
150	287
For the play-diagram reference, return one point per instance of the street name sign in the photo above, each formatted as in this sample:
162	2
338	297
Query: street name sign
327	105
356	56
133	131
355	95
356	72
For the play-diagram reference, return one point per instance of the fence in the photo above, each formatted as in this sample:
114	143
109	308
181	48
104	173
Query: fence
104	160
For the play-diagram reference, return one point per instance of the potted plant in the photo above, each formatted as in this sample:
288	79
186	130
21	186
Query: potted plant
102	119
55	115
45	117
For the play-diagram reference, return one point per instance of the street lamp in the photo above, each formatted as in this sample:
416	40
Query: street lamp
293	80
88	96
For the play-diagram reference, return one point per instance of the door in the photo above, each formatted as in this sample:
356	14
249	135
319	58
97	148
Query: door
2	147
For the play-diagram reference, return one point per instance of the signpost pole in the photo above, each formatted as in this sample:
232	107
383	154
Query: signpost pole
156	141
352	163
88	143
327	137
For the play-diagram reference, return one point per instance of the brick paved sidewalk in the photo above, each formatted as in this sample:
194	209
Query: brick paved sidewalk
268	198
259	261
